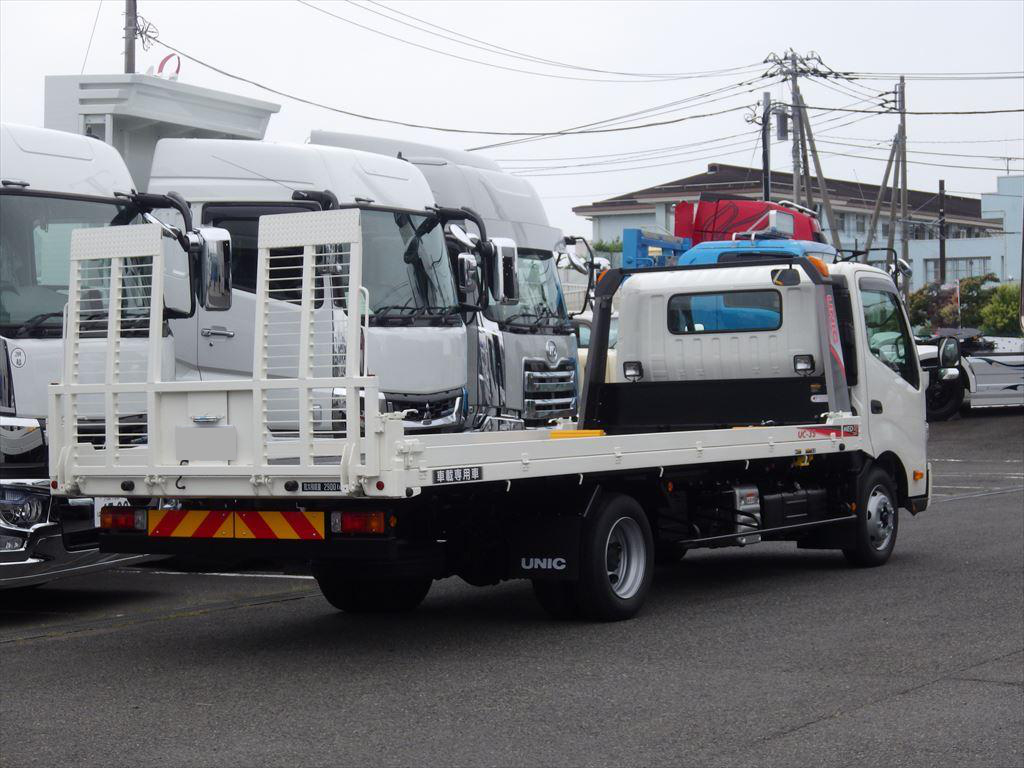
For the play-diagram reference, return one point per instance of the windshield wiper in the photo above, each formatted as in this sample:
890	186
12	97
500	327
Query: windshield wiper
394	312
34	322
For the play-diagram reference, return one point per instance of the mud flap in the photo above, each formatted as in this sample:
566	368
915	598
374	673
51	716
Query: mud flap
546	548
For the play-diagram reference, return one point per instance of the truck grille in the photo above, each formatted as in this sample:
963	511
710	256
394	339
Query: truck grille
549	391
427	410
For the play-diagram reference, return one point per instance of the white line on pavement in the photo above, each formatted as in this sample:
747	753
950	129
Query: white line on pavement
206	573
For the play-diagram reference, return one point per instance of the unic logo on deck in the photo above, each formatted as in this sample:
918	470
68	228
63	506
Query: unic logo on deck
222	524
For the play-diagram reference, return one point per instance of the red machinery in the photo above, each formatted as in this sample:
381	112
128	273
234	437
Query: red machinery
719	217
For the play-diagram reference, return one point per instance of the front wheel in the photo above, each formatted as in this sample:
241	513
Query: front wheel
943	399
354	594
877	521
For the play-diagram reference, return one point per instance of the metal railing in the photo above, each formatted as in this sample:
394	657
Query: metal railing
308	405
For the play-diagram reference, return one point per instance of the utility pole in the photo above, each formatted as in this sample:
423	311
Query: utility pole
822	186
891	240
130	23
794	111
905	249
942	231
881	196
766	146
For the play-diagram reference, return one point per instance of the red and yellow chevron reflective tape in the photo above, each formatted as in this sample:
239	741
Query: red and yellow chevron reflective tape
289	524
221	524
191	523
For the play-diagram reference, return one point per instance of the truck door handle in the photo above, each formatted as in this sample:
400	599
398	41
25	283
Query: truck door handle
208	332
876	406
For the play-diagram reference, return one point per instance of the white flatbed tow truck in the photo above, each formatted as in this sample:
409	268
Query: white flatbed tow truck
750	404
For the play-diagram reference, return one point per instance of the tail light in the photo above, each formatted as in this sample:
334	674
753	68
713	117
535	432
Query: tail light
122	519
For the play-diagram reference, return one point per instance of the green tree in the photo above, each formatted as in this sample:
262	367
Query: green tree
974	294
615	246
931	307
999	315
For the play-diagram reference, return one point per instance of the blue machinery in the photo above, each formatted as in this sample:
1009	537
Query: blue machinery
636	245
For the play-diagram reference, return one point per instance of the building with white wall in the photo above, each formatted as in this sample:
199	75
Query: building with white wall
975	243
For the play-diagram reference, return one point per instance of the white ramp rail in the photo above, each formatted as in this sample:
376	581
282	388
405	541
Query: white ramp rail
309	407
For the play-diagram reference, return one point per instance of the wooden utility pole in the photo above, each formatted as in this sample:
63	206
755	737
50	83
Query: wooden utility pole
822	186
881	196
794	111
905	249
942	231
891	240
766	146
130	23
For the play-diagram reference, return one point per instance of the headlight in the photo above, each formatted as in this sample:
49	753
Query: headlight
23	510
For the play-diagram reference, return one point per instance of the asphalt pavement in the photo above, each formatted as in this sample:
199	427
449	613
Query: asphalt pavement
763	656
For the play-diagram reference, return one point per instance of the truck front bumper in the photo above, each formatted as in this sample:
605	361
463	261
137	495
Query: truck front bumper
45	558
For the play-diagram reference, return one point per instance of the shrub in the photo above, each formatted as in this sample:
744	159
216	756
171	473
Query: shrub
999	315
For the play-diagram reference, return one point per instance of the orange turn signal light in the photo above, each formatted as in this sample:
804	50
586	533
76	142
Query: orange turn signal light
918	474
819	264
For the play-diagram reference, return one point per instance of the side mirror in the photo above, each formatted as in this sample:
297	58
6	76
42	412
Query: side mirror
179	297
949	353
505	275
215	269
786	277
461	236
469	280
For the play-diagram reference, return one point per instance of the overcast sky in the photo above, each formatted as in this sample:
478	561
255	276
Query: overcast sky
296	49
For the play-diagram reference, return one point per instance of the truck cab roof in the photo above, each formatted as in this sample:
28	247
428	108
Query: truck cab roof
206	170
60	162
717	251
509	205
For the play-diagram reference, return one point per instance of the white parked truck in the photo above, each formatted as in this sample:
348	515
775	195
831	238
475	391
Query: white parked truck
522	355
52	183
414	337
786	423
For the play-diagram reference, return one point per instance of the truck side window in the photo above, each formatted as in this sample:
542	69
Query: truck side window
583	336
727	311
243	222
887	333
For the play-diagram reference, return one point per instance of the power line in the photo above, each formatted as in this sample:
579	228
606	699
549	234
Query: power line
890	112
619	118
502	51
654	152
466	58
443	129
935	141
88	48
920	162
926	152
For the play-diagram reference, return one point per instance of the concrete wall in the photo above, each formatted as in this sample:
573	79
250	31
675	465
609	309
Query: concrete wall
1007	203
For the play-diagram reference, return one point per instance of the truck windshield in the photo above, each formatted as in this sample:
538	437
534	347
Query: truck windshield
406	269
541	303
35	253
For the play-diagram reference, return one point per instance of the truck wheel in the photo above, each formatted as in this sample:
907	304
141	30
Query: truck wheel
877	522
944	399
617	560
364	595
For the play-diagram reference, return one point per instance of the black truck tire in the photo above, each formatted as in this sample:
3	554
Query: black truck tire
943	399
353	594
878	521
616	560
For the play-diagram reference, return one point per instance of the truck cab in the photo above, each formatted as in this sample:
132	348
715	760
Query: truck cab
730	330
51	184
415	341
521	356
